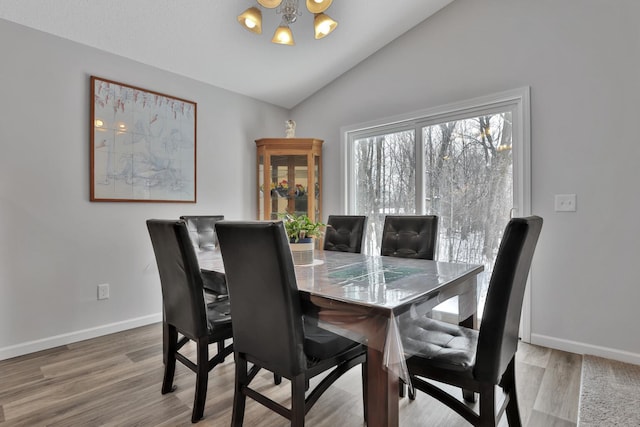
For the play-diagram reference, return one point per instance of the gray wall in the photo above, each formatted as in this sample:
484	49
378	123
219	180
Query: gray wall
581	59
56	246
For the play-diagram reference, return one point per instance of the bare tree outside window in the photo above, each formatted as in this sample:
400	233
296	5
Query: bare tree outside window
385	171
468	175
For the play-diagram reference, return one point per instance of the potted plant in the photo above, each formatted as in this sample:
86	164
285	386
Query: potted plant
301	228
301	231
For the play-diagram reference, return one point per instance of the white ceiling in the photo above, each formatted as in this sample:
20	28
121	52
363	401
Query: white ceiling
201	39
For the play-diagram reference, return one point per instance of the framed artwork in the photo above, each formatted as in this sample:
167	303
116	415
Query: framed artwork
143	145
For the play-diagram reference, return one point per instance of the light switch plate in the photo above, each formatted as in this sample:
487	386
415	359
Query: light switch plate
565	203
103	291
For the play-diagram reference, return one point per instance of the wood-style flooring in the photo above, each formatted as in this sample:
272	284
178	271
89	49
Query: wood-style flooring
115	381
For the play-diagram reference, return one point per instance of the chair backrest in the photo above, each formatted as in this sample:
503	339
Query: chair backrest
182	295
409	236
202	230
498	337
267	318
345	233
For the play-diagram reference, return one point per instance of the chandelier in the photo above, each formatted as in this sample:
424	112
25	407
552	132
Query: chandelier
251	19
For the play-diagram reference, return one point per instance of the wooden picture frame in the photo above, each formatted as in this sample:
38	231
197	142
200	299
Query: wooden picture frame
143	145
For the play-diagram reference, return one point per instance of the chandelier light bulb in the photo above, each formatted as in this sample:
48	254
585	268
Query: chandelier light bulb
318	6
323	25
283	35
251	19
324	28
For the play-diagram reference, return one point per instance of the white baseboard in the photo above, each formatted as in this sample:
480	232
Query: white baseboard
583	348
71	337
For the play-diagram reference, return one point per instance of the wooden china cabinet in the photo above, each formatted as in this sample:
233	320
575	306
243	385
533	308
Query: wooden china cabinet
289	177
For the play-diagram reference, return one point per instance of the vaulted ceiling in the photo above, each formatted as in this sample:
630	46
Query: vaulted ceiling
202	40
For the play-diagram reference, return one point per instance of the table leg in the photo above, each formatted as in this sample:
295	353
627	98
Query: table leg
382	392
468	305
382	383
468	312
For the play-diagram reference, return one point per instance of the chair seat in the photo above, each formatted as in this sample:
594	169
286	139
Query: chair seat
214	298
218	314
214	282
440	344
320	344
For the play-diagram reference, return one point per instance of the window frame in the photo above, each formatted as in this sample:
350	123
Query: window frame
515	100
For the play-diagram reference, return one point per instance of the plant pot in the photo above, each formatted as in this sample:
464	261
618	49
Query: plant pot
302	251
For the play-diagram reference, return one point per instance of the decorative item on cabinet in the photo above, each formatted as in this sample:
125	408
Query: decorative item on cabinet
290	129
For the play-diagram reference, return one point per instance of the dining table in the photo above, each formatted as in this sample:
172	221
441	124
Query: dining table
365	298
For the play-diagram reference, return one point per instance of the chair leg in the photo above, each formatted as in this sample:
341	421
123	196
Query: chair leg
165	339
487	406
169	347
402	390
469	396
277	379
221	348
239	398
365	391
202	378
412	393
508	384
298	387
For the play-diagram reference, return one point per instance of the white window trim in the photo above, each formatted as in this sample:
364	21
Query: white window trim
517	99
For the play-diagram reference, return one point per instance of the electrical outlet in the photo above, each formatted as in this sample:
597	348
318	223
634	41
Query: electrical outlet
103	291
565	203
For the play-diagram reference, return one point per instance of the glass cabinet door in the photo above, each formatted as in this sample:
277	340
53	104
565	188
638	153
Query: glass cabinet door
289	177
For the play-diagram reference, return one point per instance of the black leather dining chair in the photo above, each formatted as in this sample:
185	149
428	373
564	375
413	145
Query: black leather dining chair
409	236
202	233
186	316
270	330
478	360
345	233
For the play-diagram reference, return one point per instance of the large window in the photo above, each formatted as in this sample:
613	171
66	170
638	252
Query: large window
466	163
